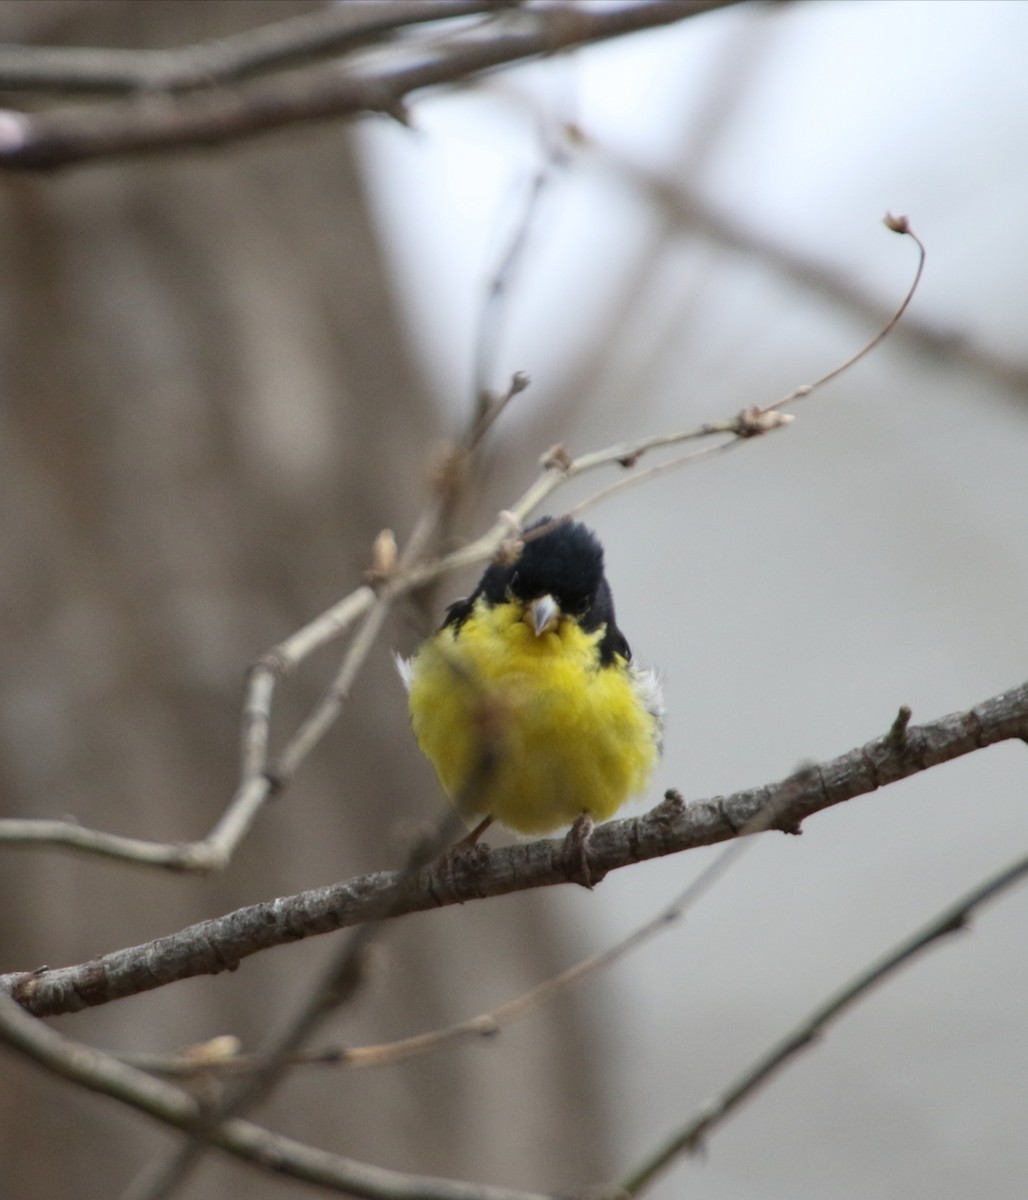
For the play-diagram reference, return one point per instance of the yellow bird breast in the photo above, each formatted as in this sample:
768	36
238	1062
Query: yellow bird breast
531	729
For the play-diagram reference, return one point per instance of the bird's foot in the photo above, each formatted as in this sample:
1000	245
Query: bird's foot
468	849
470	840
575	853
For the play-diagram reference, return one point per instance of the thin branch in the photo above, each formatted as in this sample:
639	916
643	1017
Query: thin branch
342	979
371	603
756	421
73	836
160	1178
558	467
490	1023
898	225
330	29
221	1056
689	211
223	942
491	317
323	716
335	987
105	1074
952	919
340	982
261	779
269	1152
256	1079
378	83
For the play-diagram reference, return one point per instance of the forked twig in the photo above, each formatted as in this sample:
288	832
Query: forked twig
250	1143
370	603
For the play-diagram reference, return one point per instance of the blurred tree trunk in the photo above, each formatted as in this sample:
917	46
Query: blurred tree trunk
209	412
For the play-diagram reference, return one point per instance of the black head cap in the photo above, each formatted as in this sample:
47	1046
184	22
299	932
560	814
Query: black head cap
565	562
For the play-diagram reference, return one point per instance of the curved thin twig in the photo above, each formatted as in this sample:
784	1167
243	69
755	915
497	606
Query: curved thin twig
370	604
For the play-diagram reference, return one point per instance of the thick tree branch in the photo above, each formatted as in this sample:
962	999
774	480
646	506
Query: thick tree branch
379	82
223	942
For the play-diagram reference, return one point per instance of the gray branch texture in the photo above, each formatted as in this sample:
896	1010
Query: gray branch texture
161	116
221	943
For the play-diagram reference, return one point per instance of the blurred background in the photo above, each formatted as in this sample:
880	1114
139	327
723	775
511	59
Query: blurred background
224	372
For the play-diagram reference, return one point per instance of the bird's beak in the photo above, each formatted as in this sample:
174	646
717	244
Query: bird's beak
545	613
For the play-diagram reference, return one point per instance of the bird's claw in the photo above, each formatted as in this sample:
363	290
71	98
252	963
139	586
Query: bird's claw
575	852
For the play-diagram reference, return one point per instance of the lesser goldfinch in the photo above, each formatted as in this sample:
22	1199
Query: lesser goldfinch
526	700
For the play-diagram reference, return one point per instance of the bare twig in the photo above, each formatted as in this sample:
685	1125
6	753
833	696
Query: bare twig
370	604
490	321
756	421
161	1178
691	1137
221	1056
898	225
687	210
223	942
488	1024
335	987
376	83
250	1143
257	1078
329	30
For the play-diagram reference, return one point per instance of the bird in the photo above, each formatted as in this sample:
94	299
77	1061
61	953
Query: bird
526	699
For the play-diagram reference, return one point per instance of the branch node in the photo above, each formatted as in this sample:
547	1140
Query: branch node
216	1051
726	817
754	420
664	816
519	381
896	224
670	809
383	559
398	109
784	798
448	473
509	550
199	858
897	735
557	458
271	661
275	776
454	873
575	853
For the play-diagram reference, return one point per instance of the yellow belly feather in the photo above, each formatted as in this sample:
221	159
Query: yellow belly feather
530	729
